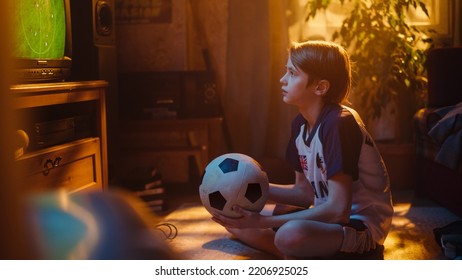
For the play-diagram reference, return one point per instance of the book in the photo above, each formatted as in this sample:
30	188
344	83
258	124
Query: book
152	191
155	202
149	198
153	198
153	184
146	183
157	208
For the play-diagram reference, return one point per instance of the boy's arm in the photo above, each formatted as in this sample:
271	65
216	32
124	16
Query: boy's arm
335	210
298	194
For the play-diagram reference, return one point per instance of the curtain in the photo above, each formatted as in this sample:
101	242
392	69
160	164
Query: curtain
257	120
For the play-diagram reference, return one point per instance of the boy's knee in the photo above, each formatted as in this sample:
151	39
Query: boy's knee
288	238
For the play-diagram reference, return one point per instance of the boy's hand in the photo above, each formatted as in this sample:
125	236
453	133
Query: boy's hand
248	219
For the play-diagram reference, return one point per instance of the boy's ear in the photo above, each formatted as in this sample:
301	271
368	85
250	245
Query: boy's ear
322	87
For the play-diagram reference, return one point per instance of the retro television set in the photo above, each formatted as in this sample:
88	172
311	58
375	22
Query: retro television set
42	40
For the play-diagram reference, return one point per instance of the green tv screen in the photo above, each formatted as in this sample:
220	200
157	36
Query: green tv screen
39	29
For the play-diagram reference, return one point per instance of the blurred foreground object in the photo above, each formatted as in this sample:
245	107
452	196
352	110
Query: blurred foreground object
96	226
14	238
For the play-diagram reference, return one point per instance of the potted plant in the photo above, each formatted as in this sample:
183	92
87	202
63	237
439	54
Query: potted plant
388	55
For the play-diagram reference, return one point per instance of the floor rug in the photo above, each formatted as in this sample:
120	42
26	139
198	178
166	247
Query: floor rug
411	236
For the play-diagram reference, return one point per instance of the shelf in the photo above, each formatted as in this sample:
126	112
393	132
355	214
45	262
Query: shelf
36	95
168	144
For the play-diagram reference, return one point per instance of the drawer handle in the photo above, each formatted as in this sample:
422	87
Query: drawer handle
50	164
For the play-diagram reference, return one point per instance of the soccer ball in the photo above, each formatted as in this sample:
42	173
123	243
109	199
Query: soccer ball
234	179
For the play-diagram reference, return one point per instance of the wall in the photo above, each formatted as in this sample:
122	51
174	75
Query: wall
158	36
175	42
145	44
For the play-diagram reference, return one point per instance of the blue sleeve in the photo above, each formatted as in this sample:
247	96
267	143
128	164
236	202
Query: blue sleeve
342	140
292	155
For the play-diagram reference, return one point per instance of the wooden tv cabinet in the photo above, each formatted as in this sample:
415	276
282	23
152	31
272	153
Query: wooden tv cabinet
66	126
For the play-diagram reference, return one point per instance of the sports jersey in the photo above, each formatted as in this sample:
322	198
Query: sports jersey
339	142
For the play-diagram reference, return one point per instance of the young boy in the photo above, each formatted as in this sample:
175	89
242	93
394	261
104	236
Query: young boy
341	182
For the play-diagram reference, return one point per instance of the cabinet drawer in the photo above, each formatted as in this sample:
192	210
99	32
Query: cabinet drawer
74	166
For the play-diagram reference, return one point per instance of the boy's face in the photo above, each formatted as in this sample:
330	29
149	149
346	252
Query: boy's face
294	86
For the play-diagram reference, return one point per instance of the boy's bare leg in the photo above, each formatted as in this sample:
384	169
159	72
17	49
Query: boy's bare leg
261	239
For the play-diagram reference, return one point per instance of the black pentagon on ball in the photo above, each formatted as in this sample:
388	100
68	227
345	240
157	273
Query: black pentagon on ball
229	165
217	200
253	192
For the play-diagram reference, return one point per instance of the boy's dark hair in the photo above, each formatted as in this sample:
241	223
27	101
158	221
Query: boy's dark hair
323	60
